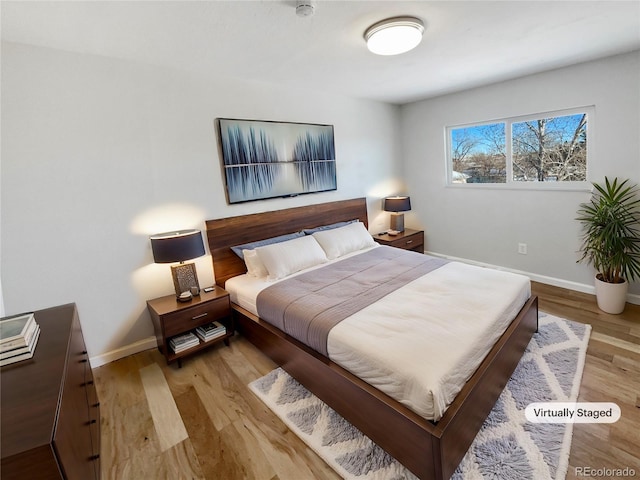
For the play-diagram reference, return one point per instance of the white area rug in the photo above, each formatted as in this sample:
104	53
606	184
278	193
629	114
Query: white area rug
507	446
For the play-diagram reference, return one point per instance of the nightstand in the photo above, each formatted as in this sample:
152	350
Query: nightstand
172	318
407	240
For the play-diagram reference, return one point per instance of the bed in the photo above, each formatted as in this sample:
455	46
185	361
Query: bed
430	448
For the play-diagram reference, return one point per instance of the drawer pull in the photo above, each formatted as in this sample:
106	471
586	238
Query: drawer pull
409	241
84	360
94	457
90	382
202	315
91	422
96	404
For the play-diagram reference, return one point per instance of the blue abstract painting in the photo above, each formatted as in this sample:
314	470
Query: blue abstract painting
263	159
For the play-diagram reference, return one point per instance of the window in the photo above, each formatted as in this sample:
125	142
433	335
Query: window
478	154
536	150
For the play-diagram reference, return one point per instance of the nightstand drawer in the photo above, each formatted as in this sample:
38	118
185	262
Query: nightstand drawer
407	240
408	243
189	318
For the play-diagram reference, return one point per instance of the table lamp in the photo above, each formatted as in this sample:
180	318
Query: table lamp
396	205
178	246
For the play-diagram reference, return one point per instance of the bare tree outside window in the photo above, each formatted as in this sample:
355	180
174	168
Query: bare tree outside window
478	154
545	149
550	149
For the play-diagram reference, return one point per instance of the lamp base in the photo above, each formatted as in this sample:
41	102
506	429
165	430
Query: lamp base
185	278
397	221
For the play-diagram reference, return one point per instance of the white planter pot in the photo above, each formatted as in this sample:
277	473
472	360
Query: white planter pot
611	297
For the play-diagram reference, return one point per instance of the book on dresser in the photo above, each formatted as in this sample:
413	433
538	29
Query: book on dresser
183	342
210	331
16	331
20	353
18	338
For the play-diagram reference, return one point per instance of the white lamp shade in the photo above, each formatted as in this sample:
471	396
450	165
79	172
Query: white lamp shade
394	35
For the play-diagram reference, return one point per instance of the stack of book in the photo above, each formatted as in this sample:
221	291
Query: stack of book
183	342
210	331
18	338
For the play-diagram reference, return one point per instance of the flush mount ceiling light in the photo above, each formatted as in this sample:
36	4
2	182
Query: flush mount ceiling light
394	35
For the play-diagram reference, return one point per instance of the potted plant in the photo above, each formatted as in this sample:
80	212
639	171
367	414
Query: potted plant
611	240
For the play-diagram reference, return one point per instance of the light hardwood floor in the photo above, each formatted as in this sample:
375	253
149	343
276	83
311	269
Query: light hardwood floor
201	421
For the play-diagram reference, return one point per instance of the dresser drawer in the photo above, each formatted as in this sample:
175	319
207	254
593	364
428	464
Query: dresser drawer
72	438
190	318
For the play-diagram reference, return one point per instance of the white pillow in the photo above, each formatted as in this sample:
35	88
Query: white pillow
285	258
343	240
255	266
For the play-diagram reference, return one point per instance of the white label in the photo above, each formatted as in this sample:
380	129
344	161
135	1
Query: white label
572	412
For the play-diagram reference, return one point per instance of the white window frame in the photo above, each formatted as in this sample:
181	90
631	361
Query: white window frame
508	122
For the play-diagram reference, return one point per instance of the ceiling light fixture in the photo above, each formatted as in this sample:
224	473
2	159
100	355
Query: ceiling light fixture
394	35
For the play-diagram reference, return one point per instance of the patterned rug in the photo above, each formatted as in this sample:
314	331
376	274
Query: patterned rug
507	446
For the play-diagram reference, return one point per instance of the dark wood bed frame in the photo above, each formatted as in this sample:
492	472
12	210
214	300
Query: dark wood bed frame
431	450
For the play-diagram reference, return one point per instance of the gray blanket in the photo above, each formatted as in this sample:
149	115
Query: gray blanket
309	305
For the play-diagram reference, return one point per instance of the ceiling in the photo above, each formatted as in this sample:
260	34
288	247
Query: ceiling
466	43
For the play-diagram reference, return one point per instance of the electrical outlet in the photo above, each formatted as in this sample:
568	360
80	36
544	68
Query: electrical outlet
522	248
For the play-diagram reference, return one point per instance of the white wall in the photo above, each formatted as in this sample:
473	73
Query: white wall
98	153
485	225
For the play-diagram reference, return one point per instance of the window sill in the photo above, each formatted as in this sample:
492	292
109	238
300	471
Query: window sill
528	186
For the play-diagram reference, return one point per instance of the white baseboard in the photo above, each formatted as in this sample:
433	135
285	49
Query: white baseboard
131	349
556	282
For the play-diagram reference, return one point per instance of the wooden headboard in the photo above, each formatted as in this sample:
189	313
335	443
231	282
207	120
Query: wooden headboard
224	233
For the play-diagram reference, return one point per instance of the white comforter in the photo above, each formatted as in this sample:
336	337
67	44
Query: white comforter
421	343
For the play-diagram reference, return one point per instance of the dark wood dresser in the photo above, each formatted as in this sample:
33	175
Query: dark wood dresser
50	411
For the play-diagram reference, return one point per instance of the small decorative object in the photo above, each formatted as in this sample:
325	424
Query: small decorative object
185	297
171	247
396	205
195	291
611	240
14	330
264	159
18	338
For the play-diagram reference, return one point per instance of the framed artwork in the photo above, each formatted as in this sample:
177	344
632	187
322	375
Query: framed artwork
263	159
185	277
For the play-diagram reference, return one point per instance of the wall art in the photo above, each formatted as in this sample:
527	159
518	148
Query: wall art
264	159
